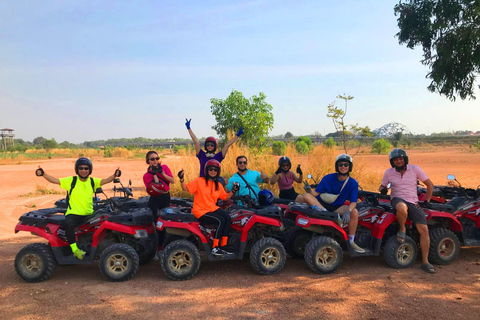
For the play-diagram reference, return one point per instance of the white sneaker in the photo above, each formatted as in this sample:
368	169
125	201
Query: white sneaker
356	248
217	252
227	253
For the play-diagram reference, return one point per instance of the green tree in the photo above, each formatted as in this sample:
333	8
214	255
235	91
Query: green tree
288	135
50	144
307	141
254	114
39	141
449	33
381	146
279	148
301	147
330	143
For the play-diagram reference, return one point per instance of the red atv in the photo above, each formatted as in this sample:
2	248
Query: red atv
114	236
252	232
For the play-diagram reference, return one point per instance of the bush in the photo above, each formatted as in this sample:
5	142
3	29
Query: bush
107	152
330	143
302	147
279	148
381	146
307	141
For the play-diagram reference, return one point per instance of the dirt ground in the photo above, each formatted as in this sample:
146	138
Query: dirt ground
362	288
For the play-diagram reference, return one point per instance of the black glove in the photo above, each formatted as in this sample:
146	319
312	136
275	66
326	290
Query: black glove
159	168
424	204
117	173
39	172
181	174
384	191
236	187
299	171
279	170
154	170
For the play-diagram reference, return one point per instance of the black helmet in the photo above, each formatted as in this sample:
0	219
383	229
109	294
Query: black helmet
396	153
83	161
344	158
283	160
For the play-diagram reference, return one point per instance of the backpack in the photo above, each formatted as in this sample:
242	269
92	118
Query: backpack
74	182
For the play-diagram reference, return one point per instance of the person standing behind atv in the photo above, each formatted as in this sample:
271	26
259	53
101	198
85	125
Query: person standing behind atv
206	191
157	180
332	192
248	180
210	148
80	190
285	179
403	177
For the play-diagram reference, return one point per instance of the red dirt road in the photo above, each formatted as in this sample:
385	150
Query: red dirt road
362	288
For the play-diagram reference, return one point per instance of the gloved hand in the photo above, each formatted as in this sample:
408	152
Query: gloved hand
240	131
39	172
279	170
346	217
117	173
154	170
424	204
236	187
181	174
299	171
384	191
159	168
307	187
187	123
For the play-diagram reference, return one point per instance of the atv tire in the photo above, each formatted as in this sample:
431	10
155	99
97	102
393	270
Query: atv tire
268	256
323	255
118	262
180	260
35	262
444	246
296	240
400	255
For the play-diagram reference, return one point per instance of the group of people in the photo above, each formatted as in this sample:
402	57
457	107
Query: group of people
331	194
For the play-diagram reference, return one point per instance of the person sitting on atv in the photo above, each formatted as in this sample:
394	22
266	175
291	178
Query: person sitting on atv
332	192
157	180
80	190
210	148
207	190
247	180
285	179
402	177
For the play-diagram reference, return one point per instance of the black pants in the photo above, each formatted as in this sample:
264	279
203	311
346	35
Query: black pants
71	222
219	218
156	203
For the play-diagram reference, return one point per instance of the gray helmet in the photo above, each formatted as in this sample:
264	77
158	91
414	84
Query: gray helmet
344	158
84	161
396	153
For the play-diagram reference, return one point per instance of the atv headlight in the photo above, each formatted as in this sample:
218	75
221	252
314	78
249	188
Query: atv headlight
159	225
302	221
139	234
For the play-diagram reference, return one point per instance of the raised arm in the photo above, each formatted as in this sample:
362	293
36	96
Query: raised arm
40	173
116	174
231	141
193	136
298	178
181	176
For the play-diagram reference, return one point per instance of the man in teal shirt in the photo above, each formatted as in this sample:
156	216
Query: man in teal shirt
244	176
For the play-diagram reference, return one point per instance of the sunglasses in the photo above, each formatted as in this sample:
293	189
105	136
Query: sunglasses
83	168
213	169
346	164
285	165
242	162
153	159
210	144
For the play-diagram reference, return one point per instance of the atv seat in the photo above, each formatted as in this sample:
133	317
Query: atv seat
268	211
309	212
451	206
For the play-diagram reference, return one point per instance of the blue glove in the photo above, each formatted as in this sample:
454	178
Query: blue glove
240	131
187	123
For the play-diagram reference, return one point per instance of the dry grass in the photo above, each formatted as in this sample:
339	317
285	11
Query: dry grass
42	189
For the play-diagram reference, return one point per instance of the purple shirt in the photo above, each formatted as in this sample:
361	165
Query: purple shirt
404	186
285	181
202	157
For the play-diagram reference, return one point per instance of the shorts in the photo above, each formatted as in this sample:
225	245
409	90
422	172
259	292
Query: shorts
289	194
415	214
328	206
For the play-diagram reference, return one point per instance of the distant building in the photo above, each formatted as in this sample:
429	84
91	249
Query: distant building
7	137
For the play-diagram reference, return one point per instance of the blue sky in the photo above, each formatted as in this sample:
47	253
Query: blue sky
89	70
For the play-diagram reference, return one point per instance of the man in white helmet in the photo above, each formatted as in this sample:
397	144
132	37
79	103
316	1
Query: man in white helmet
332	192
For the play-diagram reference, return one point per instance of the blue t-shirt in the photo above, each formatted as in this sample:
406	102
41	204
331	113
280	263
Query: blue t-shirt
202	157
252	177
331	184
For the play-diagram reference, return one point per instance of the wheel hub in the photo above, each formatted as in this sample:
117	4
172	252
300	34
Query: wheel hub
270	257
446	247
118	263
181	261
404	253
32	264
326	256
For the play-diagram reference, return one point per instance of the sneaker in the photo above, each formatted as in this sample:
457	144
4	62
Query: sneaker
217	252
156	258
356	248
226	252
80	254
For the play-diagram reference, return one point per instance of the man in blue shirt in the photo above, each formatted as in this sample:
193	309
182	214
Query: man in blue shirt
332	192
244	176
